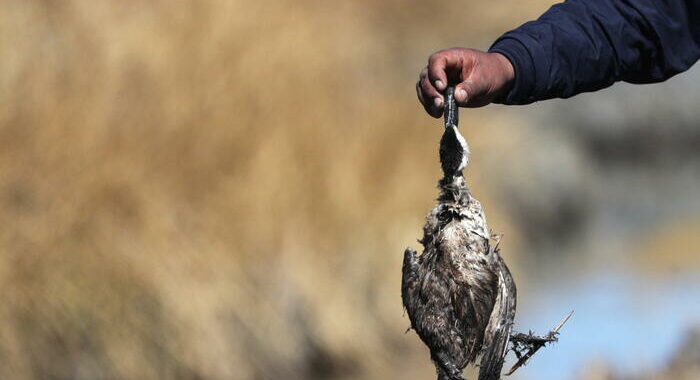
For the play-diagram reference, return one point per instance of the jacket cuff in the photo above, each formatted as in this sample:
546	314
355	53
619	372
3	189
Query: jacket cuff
530	66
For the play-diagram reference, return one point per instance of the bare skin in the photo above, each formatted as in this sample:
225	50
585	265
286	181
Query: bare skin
479	78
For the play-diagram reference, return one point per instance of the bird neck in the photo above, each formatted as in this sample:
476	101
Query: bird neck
454	190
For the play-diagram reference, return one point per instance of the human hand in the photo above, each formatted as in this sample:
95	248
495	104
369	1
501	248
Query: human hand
479	78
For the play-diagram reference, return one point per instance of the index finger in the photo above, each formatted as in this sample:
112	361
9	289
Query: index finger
437	65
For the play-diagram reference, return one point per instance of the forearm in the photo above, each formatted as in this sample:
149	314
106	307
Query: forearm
580	46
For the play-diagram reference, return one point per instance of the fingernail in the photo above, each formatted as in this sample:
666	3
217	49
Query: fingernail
438	103
439	84
461	95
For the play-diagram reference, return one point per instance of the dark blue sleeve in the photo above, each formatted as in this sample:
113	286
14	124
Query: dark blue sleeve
585	45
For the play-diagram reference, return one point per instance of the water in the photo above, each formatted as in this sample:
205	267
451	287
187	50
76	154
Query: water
629	322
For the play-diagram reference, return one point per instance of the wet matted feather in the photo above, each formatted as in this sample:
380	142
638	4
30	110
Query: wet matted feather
459	293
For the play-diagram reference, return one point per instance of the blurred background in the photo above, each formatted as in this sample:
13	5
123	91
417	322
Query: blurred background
223	190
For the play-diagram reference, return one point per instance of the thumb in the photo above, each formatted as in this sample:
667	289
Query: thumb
472	94
463	93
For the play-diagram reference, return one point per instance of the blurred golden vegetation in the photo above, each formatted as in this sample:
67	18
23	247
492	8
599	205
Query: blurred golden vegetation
219	189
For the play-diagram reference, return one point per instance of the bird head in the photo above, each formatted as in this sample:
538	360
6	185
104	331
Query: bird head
454	152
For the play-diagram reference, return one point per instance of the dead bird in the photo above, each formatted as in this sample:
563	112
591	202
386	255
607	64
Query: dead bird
459	294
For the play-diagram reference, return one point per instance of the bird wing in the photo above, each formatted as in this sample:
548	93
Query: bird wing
475	294
409	278
500	324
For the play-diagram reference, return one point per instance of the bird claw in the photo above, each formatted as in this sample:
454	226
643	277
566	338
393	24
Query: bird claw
526	345
522	344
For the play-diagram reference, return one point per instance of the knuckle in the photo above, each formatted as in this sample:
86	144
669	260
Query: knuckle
436	57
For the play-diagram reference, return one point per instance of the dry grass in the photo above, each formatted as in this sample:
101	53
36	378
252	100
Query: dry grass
217	189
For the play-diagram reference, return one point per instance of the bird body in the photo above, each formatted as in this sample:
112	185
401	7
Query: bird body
459	295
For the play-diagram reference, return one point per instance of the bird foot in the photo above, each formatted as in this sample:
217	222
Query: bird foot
526	345
523	343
